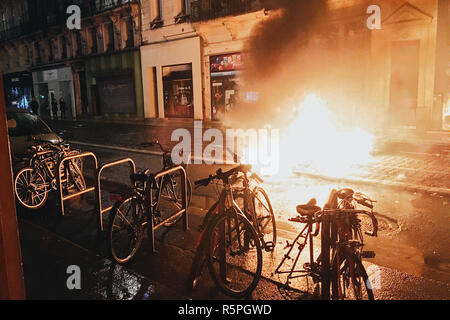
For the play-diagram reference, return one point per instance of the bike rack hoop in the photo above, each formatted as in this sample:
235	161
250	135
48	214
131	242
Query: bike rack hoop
183	210
98	193
59	181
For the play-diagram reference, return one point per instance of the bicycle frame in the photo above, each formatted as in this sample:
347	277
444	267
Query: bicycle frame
337	227
308	235
226	200
152	205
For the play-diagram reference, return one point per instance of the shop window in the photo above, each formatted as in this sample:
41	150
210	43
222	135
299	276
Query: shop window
178	93
224	83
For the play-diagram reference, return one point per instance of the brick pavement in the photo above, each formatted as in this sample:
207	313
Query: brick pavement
417	172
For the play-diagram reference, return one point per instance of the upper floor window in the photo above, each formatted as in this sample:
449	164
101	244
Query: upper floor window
94	47
12	17
63	47
3	22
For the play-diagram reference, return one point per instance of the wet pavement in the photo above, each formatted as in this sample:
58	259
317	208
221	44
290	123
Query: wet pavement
414	230
51	243
413	254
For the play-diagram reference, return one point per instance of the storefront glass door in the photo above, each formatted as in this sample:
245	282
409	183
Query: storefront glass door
178	94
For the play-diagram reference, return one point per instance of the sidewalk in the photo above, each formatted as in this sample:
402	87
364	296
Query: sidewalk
50	244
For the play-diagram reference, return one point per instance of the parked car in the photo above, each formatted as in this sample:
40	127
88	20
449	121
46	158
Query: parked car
22	128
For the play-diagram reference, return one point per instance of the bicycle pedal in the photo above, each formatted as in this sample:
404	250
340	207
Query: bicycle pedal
288	245
368	254
269	247
298	219
316	278
307	266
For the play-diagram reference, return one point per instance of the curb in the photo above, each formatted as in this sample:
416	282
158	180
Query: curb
116	148
386	183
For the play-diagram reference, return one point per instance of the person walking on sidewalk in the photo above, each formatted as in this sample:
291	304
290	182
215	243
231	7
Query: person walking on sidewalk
62	108
55	108
45	110
34	105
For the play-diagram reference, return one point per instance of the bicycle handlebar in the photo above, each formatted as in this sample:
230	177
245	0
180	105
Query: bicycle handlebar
372	233
365	202
256	177
59	146
155	142
204	182
220	175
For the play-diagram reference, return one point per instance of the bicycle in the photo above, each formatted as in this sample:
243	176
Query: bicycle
256	206
171	190
133	209
228	243
339	262
33	182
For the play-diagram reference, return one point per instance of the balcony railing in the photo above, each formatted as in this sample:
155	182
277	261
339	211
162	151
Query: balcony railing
58	16
93	7
10	32
201	10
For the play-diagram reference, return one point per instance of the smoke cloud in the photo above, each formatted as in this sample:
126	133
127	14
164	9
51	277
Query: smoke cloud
296	51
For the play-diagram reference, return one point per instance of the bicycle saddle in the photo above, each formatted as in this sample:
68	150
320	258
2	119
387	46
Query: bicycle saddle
140	177
345	193
309	208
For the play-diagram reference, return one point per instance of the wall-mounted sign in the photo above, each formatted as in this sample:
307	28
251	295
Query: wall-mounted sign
50	75
226	62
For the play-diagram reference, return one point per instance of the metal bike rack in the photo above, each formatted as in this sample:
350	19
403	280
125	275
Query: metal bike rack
59	181
183	211
325	245
98	193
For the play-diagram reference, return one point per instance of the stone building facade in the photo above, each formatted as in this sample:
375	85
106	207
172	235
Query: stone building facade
163	59
192	54
96	69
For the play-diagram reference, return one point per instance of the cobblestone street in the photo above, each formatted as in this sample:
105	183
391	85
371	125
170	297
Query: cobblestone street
428	172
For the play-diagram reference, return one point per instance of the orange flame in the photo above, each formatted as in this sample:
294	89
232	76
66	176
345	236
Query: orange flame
316	141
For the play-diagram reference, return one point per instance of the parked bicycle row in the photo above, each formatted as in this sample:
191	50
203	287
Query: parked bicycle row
235	231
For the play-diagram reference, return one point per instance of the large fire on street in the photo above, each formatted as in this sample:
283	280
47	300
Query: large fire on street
317	140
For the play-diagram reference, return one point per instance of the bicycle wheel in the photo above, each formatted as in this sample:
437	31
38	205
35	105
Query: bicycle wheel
352	282
30	188
234	255
172	190
76	175
126	228
264	218
200	254
197	264
79	161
